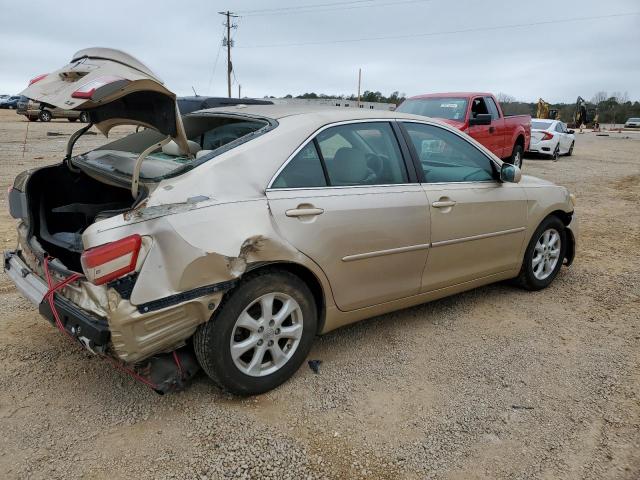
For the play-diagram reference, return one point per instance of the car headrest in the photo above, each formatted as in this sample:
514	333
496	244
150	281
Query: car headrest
172	148
349	167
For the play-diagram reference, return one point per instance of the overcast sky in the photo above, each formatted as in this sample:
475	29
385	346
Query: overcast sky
428	46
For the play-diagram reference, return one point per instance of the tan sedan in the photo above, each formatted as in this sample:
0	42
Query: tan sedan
231	237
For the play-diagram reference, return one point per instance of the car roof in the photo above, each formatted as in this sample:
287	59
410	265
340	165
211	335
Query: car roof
330	114
452	95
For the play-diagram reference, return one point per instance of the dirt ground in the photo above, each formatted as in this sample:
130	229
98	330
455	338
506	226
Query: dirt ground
496	383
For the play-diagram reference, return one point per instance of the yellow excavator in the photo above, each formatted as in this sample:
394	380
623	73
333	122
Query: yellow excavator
544	111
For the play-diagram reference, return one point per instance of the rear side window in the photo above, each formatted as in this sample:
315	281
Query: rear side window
362	154
303	171
493	109
446	157
347	155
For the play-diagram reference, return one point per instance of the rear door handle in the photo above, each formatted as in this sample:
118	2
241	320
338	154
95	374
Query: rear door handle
443	204
492	129
304	212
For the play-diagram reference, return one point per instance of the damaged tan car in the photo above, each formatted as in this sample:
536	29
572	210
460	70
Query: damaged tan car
229	238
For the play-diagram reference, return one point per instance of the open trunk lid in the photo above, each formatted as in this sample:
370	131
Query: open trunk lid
115	89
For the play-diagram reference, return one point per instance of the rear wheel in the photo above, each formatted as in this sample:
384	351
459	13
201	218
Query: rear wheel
517	156
556	153
544	255
84	117
259	335
44	116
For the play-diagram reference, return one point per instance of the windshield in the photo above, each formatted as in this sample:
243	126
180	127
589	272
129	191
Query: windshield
208	136
634	120
447	108
540	125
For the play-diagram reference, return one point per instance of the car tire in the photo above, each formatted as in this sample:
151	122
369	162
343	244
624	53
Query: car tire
570	152
242	320
542	262
44	116
556	153
84	117
517	156
32	118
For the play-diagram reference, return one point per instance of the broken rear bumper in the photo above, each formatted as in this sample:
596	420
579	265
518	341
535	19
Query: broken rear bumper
91	331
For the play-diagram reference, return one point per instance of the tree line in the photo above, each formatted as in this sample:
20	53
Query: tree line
612	108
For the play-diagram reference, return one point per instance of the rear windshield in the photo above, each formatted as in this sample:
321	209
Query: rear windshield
540	125
209	136
447	108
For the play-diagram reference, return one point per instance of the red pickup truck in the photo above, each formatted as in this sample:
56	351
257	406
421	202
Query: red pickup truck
479	115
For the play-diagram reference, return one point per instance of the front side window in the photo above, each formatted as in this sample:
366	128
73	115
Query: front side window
478	107
446	157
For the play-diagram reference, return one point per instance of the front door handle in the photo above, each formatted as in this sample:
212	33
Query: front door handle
304	212
443	204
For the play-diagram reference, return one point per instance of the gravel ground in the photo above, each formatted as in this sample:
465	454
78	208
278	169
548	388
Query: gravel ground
493	383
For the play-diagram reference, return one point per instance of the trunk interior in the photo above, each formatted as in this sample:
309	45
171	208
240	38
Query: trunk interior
62	204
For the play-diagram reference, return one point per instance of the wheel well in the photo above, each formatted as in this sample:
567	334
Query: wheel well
562	215
519	141
309	278
565	218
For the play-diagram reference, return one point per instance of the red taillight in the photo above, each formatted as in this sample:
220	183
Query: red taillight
88	89
546	136
37	79
112	260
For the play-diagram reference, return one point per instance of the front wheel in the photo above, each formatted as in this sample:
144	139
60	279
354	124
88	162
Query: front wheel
259	335
517	156
544	255
570	152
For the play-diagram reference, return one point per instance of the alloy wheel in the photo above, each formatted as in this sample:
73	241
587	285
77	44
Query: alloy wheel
266	334
546	254
517	159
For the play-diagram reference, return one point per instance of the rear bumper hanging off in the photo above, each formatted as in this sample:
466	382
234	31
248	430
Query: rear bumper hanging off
91	331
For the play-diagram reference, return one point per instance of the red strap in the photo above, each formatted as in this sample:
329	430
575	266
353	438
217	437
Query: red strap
49	296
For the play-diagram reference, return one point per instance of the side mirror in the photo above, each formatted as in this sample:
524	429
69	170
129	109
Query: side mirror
510	173
571	132
480	119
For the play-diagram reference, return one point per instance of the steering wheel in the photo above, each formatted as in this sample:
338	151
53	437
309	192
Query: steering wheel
375	163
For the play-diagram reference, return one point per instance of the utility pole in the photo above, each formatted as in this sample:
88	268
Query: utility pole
239	91
359	82
229	44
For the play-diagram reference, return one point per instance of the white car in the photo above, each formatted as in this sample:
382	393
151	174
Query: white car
632	123
551	137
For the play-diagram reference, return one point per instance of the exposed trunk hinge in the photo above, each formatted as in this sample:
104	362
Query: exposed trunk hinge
70	144
135	177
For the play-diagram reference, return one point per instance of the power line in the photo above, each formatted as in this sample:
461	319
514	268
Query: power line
215	65
294	7
342	6
444	32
